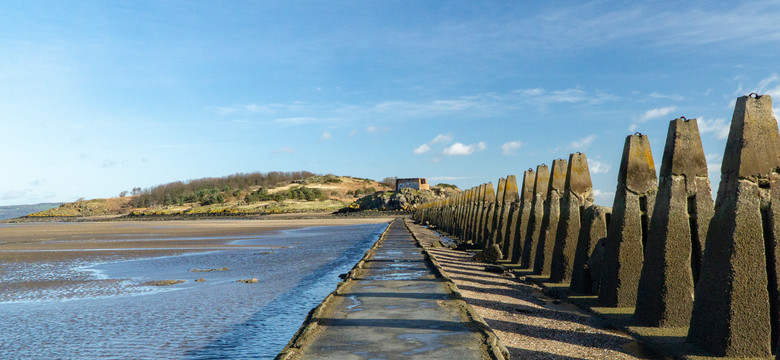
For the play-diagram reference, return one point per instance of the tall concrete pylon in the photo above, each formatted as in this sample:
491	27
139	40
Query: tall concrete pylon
523	214
577	195
735	310
595	221
552	212
486	220
629	225
510	198
541	183
498	208
682	213
479	214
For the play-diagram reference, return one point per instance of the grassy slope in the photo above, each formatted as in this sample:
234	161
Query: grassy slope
336	191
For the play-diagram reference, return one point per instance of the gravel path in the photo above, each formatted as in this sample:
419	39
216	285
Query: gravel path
530	324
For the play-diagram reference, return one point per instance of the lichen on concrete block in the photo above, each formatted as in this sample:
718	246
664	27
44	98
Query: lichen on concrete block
735	309
552	211
541	183
577	195
629	225
523	214
683	209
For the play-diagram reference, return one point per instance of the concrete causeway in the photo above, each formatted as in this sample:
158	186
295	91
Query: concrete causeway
394	304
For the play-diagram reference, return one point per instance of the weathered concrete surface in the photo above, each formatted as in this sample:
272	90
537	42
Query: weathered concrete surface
498	211
683	209
534	230
595	221
522	216
485	226
629	225
397	305
735	306
552	212
510	197
578	195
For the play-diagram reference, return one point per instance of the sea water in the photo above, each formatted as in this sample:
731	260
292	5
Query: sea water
110	314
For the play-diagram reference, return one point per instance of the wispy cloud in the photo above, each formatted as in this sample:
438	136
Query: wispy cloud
604	198
461	149
285	150
674	97
509	148
582	144
441	139
598	167
652	114
658	112
325	136
422	149
572	95
718	127
470	106
299	120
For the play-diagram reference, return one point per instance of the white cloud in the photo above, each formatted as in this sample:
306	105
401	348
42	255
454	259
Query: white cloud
325	136
583	143
604	198
422	149
371	129
510	147
481	146
570	95
353	133
718	127
441	138
459	149
285	150
656	113
298	120
598	167
651	114
674	97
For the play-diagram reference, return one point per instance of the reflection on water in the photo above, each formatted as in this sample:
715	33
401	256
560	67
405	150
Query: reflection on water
86	310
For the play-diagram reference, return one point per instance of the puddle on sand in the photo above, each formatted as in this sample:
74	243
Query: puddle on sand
218	318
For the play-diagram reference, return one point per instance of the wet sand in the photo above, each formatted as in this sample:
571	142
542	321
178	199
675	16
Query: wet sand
27	242
95	242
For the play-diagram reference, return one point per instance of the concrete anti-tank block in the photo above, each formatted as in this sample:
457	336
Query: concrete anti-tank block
552	211
498	210
506	231
735	309
629	225
585	279
486	224
577	195
683	209
523	214
541	183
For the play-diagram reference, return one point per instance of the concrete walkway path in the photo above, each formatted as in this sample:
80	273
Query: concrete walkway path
394	305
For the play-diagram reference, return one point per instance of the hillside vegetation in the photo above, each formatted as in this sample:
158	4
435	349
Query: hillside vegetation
238	194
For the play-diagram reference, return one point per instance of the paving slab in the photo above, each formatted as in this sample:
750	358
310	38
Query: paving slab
394	305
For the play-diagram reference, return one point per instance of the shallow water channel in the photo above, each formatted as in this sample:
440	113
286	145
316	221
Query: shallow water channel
111	315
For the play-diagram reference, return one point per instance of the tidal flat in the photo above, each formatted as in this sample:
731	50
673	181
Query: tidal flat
84	290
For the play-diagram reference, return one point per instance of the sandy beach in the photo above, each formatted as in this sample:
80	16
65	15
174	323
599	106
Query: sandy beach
95	242
70	240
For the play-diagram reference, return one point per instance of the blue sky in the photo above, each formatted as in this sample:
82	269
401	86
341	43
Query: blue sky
99	97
